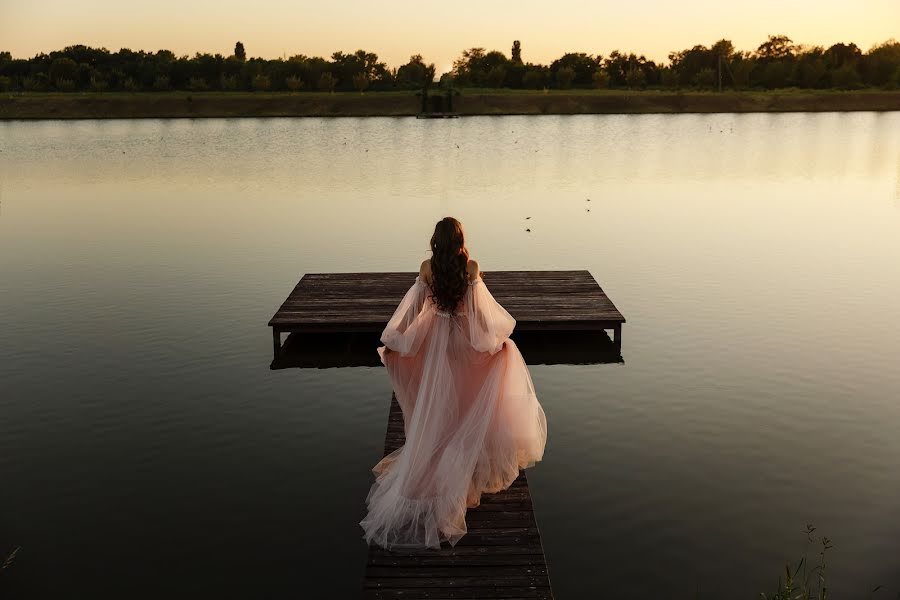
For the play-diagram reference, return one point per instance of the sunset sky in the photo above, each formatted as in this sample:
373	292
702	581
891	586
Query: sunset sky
439	31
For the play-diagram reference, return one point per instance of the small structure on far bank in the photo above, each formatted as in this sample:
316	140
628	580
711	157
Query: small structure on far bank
437	106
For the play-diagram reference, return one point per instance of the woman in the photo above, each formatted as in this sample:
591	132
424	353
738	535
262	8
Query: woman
471	416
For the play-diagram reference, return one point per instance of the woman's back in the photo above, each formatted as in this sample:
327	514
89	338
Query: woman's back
472	270
470	412
472	273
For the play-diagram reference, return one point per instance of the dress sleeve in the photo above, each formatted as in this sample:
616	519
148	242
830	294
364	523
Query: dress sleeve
489	323
404	332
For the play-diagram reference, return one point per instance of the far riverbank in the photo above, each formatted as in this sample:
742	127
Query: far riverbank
469	102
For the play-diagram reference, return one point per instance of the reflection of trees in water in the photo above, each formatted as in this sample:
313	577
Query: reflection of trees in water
729	148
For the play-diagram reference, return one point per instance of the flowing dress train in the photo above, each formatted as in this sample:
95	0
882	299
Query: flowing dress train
470	413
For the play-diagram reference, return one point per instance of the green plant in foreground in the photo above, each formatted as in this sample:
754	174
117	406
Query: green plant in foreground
8	561
797	582
803	582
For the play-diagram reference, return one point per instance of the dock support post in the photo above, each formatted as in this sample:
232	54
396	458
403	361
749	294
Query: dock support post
617	335
276	341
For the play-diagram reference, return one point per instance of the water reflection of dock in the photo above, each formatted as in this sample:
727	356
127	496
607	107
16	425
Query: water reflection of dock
335	320
319	350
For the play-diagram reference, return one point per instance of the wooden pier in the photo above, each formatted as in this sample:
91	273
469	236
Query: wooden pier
500	557
440	115
335	319
548	301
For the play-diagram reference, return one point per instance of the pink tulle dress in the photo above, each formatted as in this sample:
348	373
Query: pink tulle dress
470	413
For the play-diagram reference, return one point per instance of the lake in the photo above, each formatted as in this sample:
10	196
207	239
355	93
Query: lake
147	451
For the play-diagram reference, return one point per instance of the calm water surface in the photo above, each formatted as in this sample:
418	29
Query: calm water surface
147	451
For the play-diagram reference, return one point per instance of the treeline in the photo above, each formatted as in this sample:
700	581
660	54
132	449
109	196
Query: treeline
81	68
776	63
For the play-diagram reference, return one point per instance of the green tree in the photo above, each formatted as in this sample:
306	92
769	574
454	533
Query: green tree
840	54
360	82
811	72
198	84
895	80
99	84
846	78
515	74
495	77
39	82
231	83
516	53
775	74
65	85
705	78
723	48
687	64
741	71
533	79
327	82
564	77
475	64
345	67
777	47
294	83
261	83
618	65
239	52
464	67
600	79
668	77
878	64
62	68
161	83
582	66
636	78
415	74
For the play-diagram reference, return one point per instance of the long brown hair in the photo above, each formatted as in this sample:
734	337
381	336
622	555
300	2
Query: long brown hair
449	259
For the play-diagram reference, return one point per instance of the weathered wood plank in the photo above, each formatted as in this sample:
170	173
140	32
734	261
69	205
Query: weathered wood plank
520	557
510	593
538	300
501	556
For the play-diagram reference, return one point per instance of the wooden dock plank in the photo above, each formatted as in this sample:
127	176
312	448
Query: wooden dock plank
365	301
501	556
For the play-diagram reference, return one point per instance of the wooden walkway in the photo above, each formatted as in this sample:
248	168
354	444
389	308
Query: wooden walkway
335	319
363	302
500	557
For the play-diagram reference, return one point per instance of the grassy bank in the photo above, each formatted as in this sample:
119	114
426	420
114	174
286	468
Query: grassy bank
470	102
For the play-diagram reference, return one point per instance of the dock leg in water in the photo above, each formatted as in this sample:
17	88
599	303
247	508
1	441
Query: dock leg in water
276	341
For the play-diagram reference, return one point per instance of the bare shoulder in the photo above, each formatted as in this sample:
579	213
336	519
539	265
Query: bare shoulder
425	270
473	269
